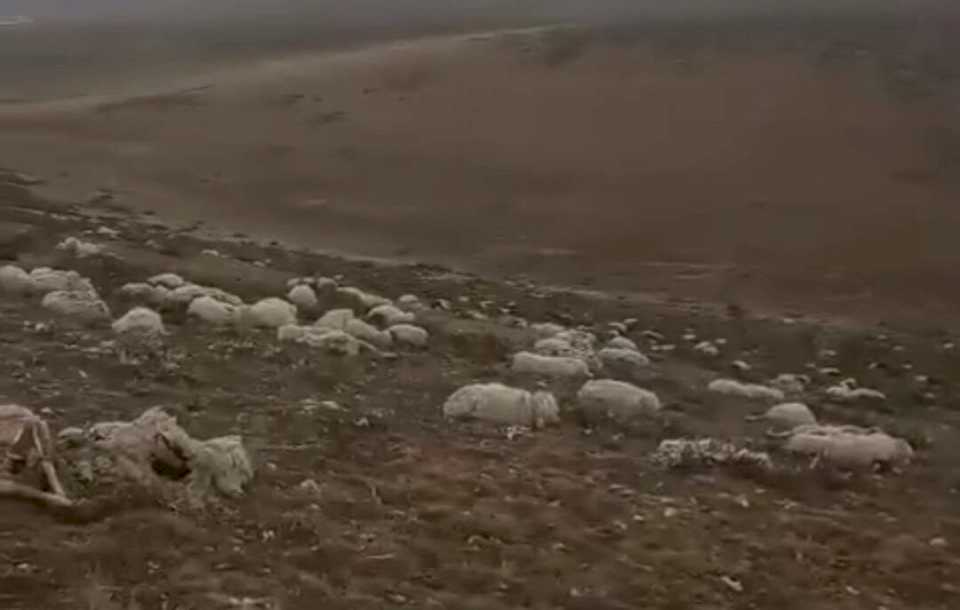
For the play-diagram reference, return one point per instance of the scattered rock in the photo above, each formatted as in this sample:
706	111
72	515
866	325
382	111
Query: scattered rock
500	404
622	402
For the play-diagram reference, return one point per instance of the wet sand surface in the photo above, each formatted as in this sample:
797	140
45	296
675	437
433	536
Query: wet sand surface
767	163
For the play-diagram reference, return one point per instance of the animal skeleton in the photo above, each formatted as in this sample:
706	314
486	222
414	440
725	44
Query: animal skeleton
25	442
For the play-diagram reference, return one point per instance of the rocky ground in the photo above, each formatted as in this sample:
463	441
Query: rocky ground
365	497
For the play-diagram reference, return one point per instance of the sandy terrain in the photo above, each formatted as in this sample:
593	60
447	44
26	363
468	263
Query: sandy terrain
795	164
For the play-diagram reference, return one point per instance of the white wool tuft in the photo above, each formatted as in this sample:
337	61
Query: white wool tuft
500	404
752	391
14	280
550	366
388	315
140	320
213	311
303	296
849	446
86	306
408	334
616	400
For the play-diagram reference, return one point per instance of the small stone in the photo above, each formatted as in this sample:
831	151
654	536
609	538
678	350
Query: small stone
938	542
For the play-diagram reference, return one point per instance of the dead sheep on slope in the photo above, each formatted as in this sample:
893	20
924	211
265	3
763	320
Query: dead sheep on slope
409	335
212	311
849	447
787	415
269	313
332	341
46	280
140	320
622	362
79	248
698	453
145	293
359	300
303	296
15	281
549	366
751	391
500	404
847	391
622	343
83	306
371	334
616	400
335	319
388	315
139	450
790	383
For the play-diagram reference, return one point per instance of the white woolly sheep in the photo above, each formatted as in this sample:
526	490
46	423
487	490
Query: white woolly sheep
388	315
622	361
849	446
270	313
78	248
616	400
622	343
143	292
544	330
14	280
335	318
751	391
550	366
790	383
788	415
707	349
358	299
846	391
371	334
408	334
303	296
333	341
213	311
410	302
171	281
83	305
47	280
500	404
140	320
552	346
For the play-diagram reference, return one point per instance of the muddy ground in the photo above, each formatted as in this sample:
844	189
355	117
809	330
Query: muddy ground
383	504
